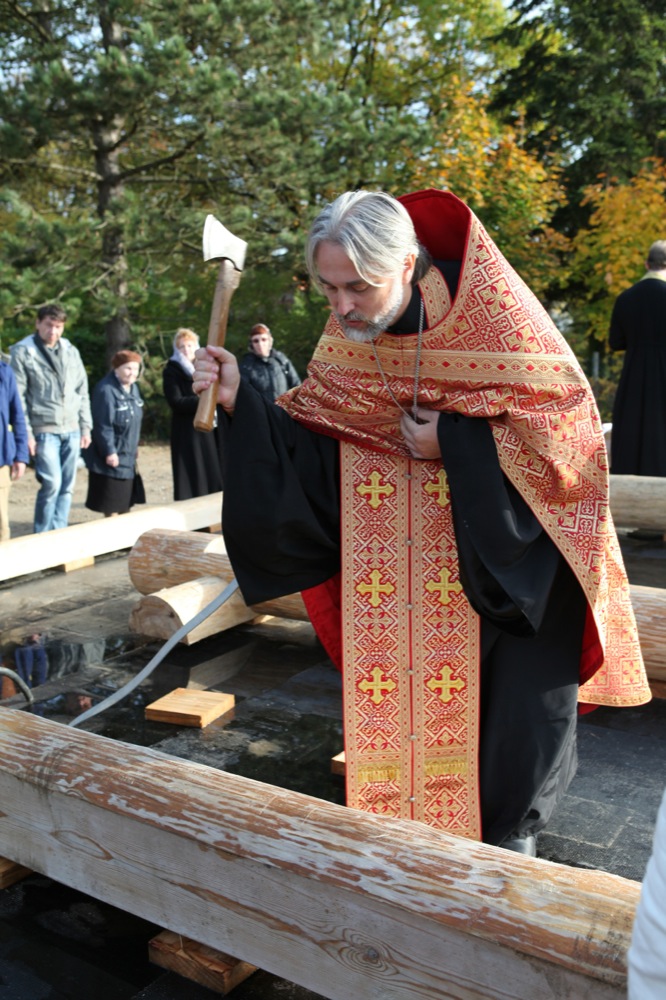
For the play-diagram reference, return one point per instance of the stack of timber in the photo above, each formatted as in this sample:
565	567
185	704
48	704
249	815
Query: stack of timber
341	902
79	543
180	572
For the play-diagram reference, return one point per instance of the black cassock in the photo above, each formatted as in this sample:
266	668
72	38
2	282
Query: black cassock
281	527
638	326
194	454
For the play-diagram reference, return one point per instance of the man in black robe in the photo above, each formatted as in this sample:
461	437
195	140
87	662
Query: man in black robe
638	326
285	475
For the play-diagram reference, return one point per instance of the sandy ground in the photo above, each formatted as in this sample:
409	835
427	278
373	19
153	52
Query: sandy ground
154	465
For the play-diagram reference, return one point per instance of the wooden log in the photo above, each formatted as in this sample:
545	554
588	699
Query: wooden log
638	502
163	613
33	553
164	557
339	901
649	604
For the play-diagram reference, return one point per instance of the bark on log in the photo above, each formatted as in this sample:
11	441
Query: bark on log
341	902
638	502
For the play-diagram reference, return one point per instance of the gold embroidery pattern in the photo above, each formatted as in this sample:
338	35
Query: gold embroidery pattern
410	676
495	353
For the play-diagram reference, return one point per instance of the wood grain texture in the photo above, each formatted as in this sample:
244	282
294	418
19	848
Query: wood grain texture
33	553
189	707
638	502
344	903
213	969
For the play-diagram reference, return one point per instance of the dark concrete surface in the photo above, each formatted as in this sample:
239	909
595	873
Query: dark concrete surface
59	944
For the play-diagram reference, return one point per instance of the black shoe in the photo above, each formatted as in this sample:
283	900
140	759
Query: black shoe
521	845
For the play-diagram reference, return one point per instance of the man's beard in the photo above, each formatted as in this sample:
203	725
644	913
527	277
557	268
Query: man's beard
374	326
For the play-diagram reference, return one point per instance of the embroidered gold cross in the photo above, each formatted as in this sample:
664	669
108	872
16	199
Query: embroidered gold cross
445	684
444	587
378	685
441	488
375	588
376	489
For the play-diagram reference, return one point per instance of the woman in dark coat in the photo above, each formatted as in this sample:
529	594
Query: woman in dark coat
117	412
194	454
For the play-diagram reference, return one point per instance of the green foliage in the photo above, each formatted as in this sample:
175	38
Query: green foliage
589	86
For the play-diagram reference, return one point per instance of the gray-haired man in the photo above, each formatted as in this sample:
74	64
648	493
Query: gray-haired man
437	493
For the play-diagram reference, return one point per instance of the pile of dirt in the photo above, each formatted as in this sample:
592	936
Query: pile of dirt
155	467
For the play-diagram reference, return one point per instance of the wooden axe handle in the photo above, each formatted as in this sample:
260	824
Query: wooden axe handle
227	282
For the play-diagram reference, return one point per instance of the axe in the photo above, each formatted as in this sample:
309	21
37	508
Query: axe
219	244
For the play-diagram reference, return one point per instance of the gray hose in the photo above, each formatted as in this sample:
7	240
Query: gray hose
6	672
122	692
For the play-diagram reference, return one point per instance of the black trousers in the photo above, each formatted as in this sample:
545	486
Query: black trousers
529	688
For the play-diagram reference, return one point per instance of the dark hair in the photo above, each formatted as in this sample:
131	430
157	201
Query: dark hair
52	310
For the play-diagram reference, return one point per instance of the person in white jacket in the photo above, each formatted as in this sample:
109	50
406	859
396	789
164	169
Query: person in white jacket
647	954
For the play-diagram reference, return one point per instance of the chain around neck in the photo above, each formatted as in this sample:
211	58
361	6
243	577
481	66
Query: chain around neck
417	366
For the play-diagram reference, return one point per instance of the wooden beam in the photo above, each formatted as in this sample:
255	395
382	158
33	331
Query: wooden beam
33	553
161	614
165	557
341	902
638	502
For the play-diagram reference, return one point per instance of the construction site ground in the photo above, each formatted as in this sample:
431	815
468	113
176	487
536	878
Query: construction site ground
60	944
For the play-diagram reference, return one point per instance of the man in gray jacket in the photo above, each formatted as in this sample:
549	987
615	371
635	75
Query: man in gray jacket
53	387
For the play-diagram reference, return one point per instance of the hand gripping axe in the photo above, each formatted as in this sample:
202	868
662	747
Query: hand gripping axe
219	244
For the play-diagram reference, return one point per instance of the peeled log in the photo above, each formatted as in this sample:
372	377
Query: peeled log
335	900
638	502
163	558
649	604
161	614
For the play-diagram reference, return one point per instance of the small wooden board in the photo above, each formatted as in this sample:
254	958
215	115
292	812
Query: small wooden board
10	872
339	764
187	707
69	567
197	962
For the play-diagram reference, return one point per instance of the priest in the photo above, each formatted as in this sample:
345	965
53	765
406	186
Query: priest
437	489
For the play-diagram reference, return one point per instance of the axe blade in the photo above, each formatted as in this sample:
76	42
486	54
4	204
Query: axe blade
220	244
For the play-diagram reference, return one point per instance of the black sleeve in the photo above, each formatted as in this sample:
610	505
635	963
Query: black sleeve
507	561
281	511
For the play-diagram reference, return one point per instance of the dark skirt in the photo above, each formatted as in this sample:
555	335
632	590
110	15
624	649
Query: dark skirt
108	495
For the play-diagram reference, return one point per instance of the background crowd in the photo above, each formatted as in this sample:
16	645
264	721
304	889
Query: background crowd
49	417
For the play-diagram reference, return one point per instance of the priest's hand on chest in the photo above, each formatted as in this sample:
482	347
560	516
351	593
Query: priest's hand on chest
421	437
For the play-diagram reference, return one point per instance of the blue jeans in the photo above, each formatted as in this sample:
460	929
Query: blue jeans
55	466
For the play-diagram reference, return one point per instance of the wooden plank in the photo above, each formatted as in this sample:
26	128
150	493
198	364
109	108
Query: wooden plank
187	707
33	553
74	564
10	872
215	970
341	902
